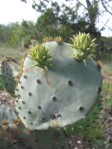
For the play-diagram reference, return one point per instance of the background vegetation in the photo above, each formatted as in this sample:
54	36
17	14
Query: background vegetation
59	19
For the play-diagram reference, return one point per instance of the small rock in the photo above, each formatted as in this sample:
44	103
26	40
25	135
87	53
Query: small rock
75	147
79	142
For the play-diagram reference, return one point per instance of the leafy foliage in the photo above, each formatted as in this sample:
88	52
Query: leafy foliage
56	19
87	126
16	35
67	13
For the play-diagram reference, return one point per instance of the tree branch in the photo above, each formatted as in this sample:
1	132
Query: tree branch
88	3
25	1
105	7
103	25
82	4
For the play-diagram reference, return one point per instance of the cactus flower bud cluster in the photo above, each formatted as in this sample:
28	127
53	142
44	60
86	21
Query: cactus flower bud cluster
83	46
41	55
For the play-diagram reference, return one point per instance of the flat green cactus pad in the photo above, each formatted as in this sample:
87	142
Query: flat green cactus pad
7	113
9	70
61	95
21	138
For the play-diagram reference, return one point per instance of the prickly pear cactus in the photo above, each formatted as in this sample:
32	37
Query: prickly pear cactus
55	89
9	70
19	137
7	113
13	135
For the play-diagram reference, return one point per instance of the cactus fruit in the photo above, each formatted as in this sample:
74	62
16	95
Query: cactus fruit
9	70
61	94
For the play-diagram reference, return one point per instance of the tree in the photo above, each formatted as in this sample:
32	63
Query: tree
79	15
18	35
49	24
69	16
107	4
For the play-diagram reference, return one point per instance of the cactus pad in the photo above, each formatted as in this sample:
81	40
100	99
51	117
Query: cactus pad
21	138
61	95
8	113
9	70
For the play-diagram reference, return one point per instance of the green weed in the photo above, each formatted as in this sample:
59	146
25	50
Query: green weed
107	95
88	126
15	53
